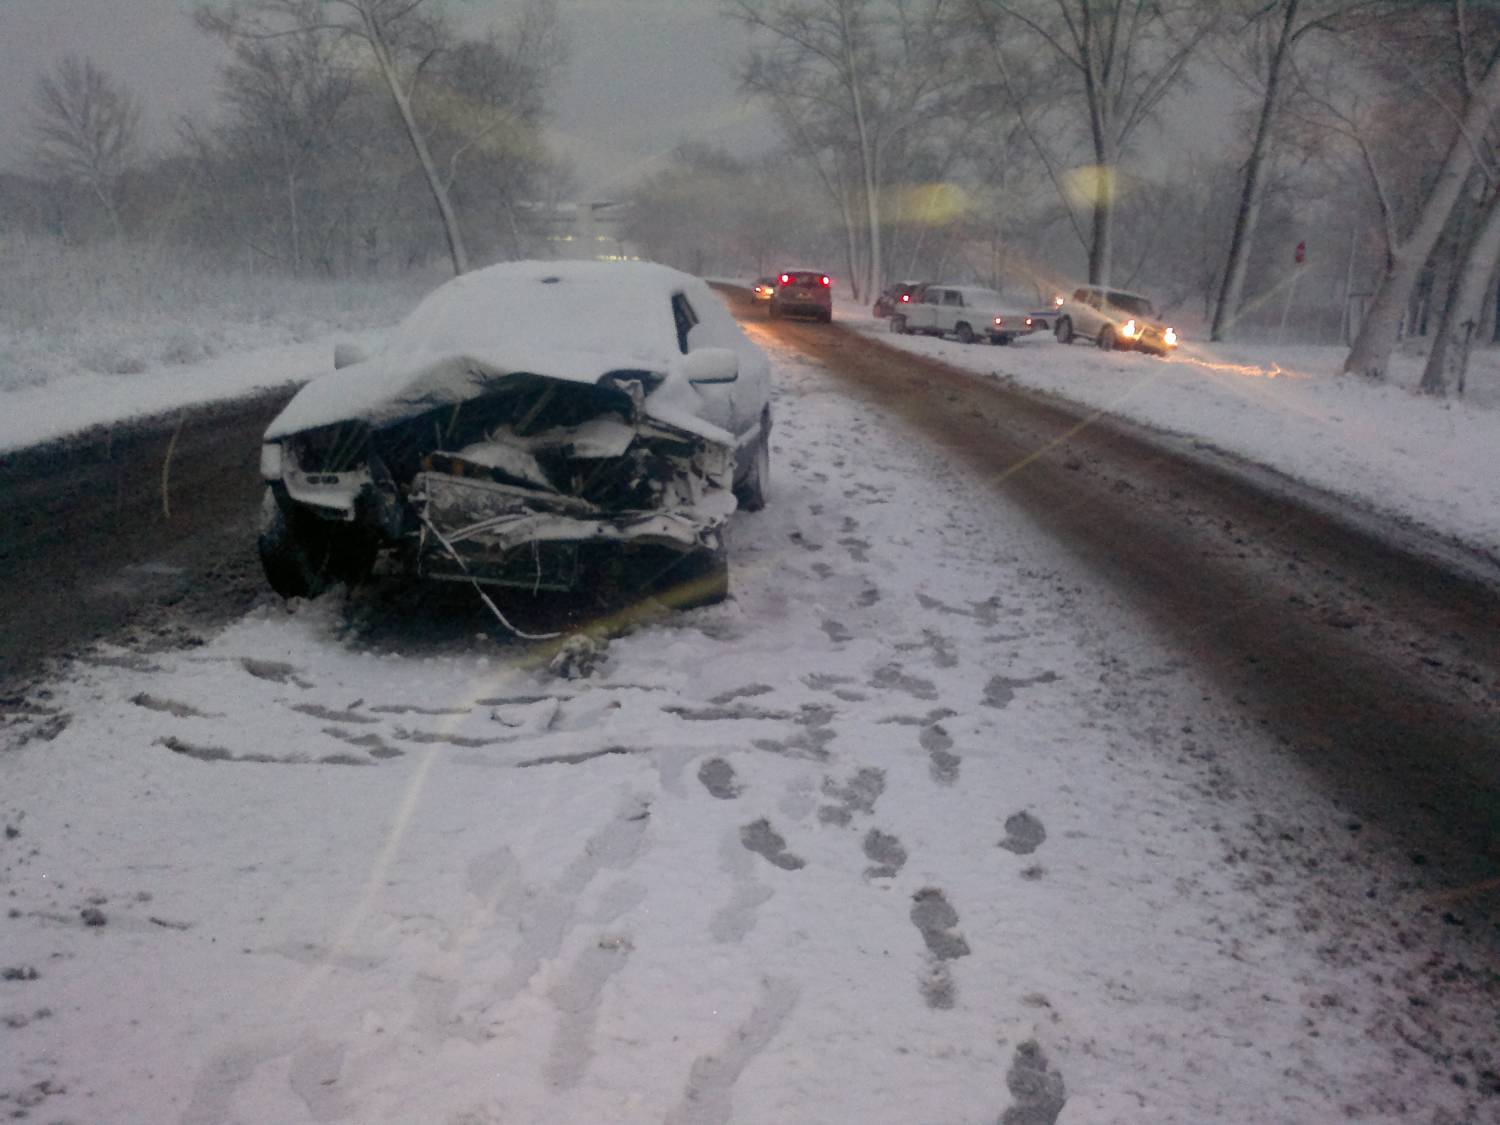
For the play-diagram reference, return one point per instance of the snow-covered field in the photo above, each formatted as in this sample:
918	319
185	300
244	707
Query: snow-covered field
1429	462
96	335
919	827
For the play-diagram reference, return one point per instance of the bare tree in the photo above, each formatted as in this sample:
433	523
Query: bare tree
1469	113
1121	58
1453	343
84	127
288	98
846	79
1291	21
400	36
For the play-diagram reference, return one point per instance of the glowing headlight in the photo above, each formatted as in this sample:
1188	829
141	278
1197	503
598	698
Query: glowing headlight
270	461
1057	301
999	321
1029	322
1130	331
1169	337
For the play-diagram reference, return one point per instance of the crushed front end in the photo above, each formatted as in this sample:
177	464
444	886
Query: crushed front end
524	484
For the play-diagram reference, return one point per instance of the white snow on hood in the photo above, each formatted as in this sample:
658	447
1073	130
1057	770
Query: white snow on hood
566	320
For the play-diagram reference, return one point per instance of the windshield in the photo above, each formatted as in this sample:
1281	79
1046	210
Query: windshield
730	562
1130	303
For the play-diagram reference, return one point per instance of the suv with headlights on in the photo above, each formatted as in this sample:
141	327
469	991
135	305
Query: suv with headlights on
1113	319
805	292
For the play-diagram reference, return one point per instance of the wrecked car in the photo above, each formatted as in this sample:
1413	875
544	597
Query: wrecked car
533	425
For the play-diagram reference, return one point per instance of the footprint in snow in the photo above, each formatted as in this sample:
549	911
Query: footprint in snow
766	842
1024	833
943	763
1001	690
837	633
886	854
859	795
1037	1088
935	919
718	778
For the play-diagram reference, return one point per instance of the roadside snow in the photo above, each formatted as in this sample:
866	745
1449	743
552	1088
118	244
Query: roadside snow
71	404
97	335
1427	461
919	827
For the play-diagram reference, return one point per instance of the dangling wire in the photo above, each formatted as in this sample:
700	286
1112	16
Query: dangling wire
478	589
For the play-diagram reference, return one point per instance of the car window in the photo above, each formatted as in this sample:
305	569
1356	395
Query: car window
1081	296
932	297
952	297
1130	303
684	318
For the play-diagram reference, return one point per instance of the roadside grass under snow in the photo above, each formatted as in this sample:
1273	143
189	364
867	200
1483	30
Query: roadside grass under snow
93	335
1428	462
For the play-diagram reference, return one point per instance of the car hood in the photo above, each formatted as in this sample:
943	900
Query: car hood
391	387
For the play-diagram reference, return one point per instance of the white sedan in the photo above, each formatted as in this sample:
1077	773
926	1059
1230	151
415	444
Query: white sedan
527	425
968	312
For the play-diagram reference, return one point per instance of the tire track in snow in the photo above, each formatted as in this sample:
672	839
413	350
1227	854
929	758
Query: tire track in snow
707	1099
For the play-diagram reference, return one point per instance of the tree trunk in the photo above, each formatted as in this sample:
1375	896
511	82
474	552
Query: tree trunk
387	67
1245	219
1372	348
1448	361
867	156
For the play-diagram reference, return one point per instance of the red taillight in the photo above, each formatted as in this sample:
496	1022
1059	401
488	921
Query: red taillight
905	297
826	281
786	279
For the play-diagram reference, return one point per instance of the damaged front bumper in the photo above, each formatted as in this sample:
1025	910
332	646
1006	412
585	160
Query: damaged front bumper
526	496
488	531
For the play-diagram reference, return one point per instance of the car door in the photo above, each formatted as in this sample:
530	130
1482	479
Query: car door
1092	319
735	406
924	314
952	310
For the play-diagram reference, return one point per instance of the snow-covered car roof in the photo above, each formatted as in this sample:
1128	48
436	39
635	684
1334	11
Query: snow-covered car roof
567	320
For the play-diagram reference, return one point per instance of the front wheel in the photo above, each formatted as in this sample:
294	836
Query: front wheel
755	489
302	555
964	333
898	324
1064	331
1107	339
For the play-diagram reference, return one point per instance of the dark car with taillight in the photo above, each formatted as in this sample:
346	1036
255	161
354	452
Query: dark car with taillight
895	295
803	293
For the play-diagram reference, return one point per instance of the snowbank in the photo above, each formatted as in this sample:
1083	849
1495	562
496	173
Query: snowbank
96	335
1426	461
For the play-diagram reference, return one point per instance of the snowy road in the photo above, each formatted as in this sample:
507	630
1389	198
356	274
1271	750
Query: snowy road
924	825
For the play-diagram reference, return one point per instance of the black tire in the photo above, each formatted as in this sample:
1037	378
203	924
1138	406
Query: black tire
828	317
755	489
1064	330
898	324
964	333
773	310
1001	339
302	556
1106	339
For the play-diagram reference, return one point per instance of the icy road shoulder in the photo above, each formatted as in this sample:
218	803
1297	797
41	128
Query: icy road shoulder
1427	462
918	827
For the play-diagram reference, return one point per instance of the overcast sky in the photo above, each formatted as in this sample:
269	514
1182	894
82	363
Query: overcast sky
644	74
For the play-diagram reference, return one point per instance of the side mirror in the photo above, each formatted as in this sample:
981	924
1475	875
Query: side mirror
710	365
346	353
